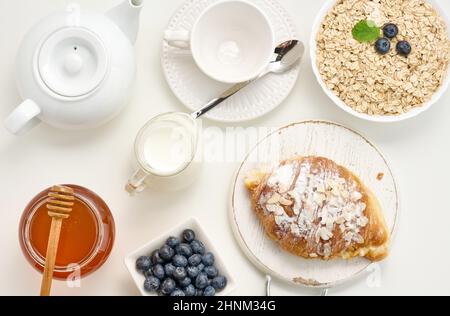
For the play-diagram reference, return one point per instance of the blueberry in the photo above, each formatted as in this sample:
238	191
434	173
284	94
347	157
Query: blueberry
195	260
180	261
158	271
211	271
168	286
198	247
180	273
208	259
184	250
219	283
190	290
201	281
188	235
156	259
404	48
209	291
192	272
185	282
390	30
383	46
143	264
152	284
178	293
148	273
169	269
166	253
172	242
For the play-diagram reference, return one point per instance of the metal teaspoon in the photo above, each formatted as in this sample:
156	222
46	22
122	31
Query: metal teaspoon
287	56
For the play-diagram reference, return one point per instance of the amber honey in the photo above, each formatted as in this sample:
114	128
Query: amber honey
86	237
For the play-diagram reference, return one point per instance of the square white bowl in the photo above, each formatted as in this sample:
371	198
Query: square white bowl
147	249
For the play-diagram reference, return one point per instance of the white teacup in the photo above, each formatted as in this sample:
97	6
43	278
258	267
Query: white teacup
232	41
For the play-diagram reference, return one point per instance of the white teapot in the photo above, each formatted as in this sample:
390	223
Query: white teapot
75	69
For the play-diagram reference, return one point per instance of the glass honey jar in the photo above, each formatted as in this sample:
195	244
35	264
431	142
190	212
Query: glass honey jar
86	240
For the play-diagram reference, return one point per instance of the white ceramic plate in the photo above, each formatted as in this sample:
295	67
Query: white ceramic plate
376	118
313	138
194	89
138	278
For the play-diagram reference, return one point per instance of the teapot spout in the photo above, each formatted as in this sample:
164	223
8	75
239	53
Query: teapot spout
126	16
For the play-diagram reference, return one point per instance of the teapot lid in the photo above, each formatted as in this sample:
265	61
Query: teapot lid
72	62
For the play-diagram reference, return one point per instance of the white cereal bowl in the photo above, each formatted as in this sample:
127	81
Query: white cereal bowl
138	278
373	118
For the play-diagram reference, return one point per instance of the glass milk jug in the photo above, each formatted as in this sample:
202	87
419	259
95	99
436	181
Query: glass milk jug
166	154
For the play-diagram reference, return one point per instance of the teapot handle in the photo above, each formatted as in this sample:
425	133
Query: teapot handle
24	118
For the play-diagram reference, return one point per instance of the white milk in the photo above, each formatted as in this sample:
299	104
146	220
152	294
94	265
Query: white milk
168	148
167	153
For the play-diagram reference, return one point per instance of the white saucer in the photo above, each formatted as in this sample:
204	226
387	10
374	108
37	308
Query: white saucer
344	146
194	89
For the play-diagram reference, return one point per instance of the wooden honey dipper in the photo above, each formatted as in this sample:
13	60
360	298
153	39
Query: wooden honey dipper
59	204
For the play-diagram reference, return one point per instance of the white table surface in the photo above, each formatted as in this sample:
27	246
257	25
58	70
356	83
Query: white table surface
418	152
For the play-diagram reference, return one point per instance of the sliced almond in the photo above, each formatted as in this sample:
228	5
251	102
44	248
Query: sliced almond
340	220
358	239
363	221
285	202
321	188
330	224
275	209
356	196
274	199
319	198
325	235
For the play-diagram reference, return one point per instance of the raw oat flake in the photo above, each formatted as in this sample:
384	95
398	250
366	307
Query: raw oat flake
388	84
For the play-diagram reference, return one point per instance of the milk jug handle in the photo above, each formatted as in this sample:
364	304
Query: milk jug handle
137	183
23	118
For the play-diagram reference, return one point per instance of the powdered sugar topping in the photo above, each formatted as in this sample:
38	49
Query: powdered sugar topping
315	203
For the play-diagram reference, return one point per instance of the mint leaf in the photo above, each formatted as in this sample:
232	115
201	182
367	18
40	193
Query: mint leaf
366	31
